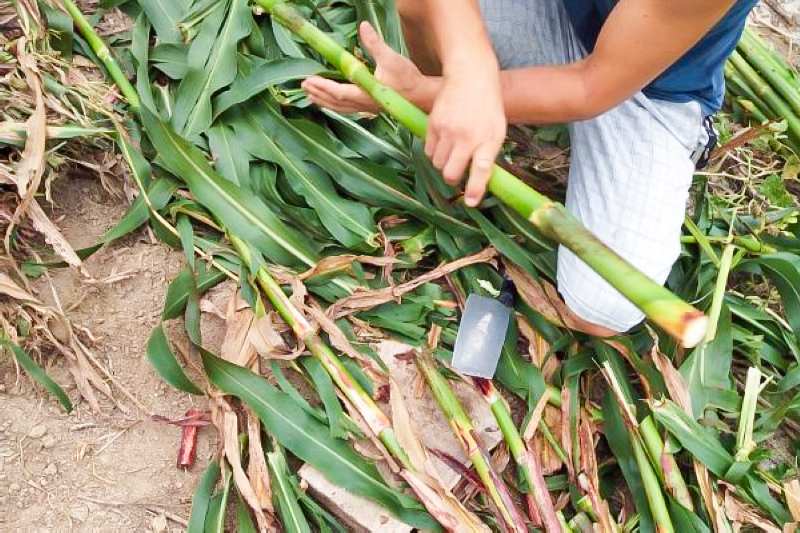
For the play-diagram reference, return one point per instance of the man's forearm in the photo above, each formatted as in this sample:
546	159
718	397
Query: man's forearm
460	36
535	95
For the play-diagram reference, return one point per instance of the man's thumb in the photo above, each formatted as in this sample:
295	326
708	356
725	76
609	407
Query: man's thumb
372	41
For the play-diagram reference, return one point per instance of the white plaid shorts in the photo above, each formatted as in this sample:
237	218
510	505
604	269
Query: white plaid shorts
631	167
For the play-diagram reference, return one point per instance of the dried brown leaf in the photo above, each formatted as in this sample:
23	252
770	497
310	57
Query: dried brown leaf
230	434
344	262
742	514
54	238
589	479
257	469
10	288
792	491
246	335
340	341
425	482
543	297
447	510
368	299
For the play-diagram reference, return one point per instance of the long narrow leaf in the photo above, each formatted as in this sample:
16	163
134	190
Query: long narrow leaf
311	441
244	215
163	360
292	517
37	373
212	66
202	497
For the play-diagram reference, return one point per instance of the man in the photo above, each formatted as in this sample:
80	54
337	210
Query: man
635	80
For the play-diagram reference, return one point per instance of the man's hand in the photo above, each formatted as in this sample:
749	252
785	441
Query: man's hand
467	127
467	123
391	69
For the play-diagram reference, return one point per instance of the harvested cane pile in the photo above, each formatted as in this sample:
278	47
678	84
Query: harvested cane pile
342	238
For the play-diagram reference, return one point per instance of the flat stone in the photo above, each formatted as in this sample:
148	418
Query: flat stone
48	441
432	427
360	514
363	515
79	513
51	470
159	523
13	488
37	432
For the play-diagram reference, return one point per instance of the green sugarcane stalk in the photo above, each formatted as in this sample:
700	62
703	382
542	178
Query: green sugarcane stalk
465	433
751	109
375	419
665	463
738	86
675	316
652	488
763	61
527	462
763	90
104	54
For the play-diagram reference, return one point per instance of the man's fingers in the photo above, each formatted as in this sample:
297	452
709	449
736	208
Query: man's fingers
430	142
343	97
455	166
441	154
479	174
372	42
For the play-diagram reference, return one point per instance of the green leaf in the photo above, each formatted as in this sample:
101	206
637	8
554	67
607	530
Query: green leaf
165	17
164	362
138	213
37	373
202	497
229	159
171	59
311	441
242	214
212	66
292	517
708	366
699	440
327	393
217	508
783	269
504	244
244	523
262	78
60	24
377	185
348	221
619	440
684	520
179	289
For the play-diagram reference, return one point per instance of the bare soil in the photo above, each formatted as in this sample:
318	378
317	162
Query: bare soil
113	470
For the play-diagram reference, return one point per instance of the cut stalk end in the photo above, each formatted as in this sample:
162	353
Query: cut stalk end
695	330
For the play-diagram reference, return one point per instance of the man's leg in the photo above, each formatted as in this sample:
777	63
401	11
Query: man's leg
629	178
630	167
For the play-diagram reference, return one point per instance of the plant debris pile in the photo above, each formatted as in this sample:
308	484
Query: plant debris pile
342	239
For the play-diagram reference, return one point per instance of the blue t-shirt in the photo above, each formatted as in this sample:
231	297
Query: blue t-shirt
698	75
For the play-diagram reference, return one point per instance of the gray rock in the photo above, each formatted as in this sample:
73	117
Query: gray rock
159	523
79	513
37	432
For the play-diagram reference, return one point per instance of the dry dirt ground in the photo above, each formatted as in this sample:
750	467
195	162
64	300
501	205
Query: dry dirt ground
112	471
